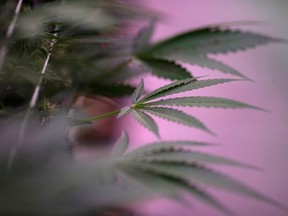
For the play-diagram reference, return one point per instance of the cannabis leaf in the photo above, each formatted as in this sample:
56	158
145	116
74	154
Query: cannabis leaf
166	89
143	37
207	62
165	69
176	116
145	120
209	40
170	186
202	175
194	46
164	146
182	86
121	146
88	61
138	92
209	102
142	108
187	156
167	169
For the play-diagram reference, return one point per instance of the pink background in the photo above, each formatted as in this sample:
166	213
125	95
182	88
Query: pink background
250	136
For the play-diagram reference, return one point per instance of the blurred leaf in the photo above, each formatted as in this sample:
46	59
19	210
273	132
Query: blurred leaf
84	16
165	69
168	185
212	40
143	37
121	146
164	146
206	62
203	175
45	169
188	156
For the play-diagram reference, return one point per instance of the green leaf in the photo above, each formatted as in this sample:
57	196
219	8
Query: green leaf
159	184
146	121
120	146
168	185
166	88
143	37
189	156
165	146
124	111
214	64
214	102
182	86
209	177
206	62
176	116
165	69
138	92
209	40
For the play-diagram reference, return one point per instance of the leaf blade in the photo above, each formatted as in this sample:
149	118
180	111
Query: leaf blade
183	86
176	116
171	185
205	62
165	69
209	177
138	92
121	145
208	102
189	156
165	146
143	37
209	40
166	88
146	121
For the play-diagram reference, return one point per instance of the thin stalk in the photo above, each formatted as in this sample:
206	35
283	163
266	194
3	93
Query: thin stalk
116	112
32	104
35	95
9	33
77	122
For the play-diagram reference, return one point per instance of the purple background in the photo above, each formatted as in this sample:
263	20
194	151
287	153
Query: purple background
250	136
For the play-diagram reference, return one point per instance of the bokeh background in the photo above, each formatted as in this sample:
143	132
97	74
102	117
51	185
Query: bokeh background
254	137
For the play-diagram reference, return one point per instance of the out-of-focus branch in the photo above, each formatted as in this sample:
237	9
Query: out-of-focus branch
32	104
9	33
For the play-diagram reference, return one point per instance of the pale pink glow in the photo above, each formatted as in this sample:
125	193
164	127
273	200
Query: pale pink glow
254	137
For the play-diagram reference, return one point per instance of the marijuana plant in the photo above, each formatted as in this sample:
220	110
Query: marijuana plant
54	51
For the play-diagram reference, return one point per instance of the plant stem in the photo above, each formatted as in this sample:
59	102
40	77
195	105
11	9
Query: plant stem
9	33
102	116
32	104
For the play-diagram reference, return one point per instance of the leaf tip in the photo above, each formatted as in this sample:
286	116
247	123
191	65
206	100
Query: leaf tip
211	132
